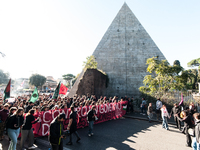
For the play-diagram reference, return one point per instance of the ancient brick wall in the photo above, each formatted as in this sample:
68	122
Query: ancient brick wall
91	81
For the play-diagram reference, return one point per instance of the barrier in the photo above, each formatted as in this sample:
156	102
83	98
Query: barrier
104	113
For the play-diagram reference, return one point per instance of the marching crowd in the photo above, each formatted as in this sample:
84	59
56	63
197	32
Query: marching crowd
12	117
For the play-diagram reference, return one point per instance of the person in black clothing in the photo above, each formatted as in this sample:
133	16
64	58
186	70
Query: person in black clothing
72	126
176	110
52	105
91	118
27	130
13	127
56	133
31	104
187	124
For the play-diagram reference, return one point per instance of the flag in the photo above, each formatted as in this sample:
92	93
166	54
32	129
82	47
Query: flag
124	107
63	89
34	96
22	84
7	91
56	93
181	102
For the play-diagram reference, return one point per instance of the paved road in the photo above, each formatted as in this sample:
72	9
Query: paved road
125	134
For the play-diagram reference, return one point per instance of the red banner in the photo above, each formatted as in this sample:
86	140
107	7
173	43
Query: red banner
104	112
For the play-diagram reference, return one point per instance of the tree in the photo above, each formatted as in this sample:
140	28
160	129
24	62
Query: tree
194	63
4	77
37	80
69	78
162	77
196	72
90	63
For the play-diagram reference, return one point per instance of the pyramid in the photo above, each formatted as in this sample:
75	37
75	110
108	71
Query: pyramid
122	54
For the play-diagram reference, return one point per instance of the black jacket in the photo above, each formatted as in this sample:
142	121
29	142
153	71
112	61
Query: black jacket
90	115
14	119
29	120
188	121
56	130
175	110
28	108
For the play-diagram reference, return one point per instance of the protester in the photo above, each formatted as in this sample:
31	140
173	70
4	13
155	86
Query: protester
13	127
3	116
27	130
158	107
72	126
187	124
56	133
31	104
164	115
196	139
143	106
192	109
176	111
91	118
150	112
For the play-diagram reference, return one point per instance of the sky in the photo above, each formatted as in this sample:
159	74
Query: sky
53	38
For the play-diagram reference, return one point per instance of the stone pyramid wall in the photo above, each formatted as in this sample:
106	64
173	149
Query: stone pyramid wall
122	54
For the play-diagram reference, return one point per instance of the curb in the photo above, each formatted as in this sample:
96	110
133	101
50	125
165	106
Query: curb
145	119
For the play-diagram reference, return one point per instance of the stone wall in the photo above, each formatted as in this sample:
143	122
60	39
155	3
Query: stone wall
90	81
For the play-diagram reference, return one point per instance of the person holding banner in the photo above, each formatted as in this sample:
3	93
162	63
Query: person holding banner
72	126
91	118
27	130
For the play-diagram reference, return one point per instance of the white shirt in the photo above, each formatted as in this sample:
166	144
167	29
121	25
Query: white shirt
158	104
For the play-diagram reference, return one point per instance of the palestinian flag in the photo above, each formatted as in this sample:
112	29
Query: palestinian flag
7	91
34	96
56	93
124	107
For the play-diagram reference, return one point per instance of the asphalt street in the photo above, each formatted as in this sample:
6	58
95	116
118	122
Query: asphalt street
124	134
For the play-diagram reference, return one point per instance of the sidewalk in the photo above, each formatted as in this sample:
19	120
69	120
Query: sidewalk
138	115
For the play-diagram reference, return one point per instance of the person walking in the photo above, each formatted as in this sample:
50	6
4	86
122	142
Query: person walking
13	125
196	139
72	126
150	112
143	106
27	130
91	118
56	133
158	107
164	115
176	110
3	117
187	124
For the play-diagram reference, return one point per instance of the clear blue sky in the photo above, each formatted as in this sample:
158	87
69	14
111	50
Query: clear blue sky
55	37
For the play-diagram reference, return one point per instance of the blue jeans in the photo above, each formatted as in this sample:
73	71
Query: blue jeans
164	123
91	123
195	145
13	135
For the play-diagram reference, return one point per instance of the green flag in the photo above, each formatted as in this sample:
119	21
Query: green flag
7	91
34	96
56	93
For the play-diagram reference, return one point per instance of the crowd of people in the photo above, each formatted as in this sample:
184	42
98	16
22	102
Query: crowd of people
188	115
14	120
